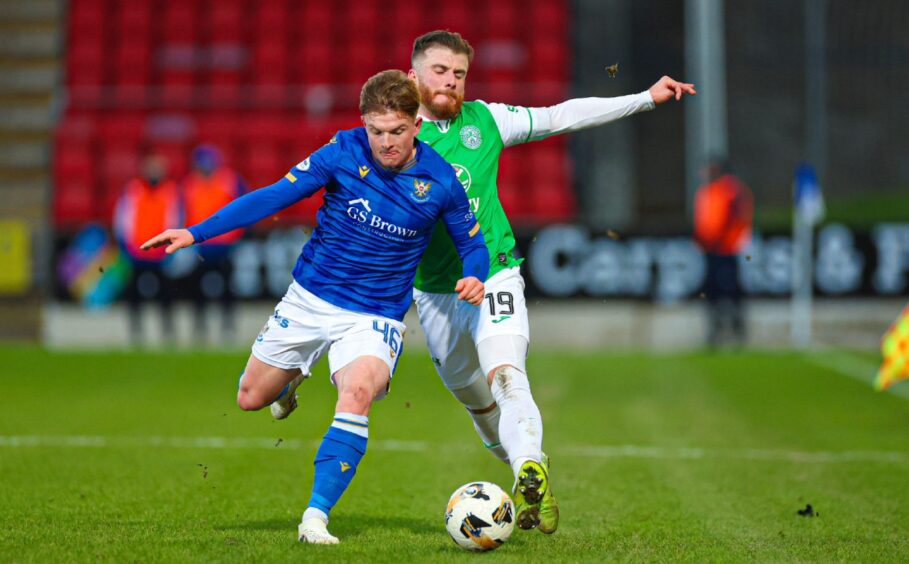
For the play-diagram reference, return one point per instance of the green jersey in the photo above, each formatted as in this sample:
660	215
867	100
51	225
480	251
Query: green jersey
472	143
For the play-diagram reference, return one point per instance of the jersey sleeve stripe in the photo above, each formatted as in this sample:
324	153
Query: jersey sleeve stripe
290	177
474	230
530	129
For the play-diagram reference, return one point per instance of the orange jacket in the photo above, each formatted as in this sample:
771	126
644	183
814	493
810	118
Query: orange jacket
203	196
144	211
723	213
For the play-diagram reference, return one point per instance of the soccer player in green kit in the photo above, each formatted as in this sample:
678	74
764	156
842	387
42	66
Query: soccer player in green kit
480	352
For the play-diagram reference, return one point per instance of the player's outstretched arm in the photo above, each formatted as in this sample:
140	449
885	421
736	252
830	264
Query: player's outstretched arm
471	290
175	239
519	124
667	88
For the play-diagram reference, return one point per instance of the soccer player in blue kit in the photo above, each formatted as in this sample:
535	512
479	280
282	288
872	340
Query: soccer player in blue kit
384	193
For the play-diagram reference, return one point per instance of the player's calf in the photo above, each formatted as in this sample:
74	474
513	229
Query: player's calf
477	399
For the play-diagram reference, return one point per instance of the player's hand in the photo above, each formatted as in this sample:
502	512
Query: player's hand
667	88
175	239
470	290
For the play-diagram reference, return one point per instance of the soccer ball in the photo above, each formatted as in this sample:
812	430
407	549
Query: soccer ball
479	516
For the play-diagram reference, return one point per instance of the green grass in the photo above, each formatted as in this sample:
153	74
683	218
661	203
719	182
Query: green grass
859	211
655	458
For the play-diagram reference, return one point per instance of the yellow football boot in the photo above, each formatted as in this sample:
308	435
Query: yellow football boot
535	506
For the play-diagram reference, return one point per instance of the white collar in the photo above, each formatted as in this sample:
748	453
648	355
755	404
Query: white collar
442	124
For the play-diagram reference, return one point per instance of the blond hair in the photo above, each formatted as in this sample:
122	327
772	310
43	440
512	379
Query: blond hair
390	90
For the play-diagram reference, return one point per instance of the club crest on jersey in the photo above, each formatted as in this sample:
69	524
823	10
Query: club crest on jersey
303	165
421	189
471	136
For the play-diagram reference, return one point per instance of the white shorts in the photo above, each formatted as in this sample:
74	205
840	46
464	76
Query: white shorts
304	326
453	327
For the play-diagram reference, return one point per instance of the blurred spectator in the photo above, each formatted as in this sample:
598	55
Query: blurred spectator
723	212
148	204
209	187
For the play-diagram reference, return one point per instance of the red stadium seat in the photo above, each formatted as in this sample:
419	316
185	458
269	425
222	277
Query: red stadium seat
178	22
177	88
118	166
550	60
270	51
264	164
74	202
85	57
134	18
507	92
362	16
457	16
501	19
267	127
218	128
272	17
316	66
74	182
74	159
132	74
362	62
226	22
547	17
315	17
86	18
408	24
123	129
177	155
75	127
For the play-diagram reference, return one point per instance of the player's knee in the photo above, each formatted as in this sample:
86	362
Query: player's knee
356	396
508	380
476	395
249	400
503	374
483	410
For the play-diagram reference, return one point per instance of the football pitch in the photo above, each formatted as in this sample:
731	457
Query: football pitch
145	457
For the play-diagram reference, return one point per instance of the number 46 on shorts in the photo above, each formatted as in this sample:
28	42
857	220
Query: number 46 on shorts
390	335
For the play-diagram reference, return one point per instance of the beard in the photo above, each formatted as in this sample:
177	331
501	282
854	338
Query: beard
441	110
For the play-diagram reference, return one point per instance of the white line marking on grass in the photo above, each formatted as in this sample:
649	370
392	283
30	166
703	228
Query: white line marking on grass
635	451
587	451
188	442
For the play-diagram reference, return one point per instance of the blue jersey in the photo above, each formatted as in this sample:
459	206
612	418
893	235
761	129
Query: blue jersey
373	226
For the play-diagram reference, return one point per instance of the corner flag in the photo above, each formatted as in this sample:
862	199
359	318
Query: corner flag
895	350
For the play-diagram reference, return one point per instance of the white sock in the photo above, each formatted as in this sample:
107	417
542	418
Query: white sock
315	512
520	423
353	423
484	411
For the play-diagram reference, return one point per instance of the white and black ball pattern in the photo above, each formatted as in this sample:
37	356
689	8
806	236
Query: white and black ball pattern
479	516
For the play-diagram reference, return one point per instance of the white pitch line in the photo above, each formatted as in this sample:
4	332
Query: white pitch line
189	442
584	451
635	451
